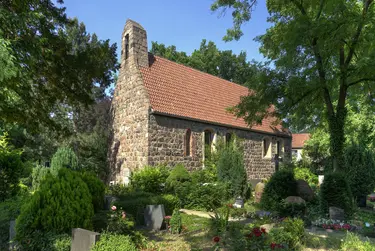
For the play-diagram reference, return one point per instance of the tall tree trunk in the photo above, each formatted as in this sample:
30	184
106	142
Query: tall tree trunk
336	125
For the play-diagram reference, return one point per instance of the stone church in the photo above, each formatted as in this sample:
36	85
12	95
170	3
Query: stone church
165	112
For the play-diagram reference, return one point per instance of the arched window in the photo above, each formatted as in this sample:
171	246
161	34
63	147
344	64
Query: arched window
208	137
188	142
228	138
267	149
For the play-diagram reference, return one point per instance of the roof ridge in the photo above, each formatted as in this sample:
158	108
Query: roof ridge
205	73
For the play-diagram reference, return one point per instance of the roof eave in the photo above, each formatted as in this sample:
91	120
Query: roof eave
220	124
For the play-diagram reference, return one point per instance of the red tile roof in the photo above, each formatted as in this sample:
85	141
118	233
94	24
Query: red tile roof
299	139
181	91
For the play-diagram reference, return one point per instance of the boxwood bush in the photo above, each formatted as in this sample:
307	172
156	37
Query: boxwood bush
281	185
61	203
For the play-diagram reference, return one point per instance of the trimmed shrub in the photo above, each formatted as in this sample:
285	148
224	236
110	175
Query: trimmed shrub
114	242
11	168
335	192
360	170
178	175
150	179
38	175
207	196
60	204
96	188
231	169
135	204
281	185
64	158
291	209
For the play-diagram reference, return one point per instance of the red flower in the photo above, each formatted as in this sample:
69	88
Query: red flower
263	230
273	245
216	239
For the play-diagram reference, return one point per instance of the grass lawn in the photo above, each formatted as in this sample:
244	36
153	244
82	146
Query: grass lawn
195	236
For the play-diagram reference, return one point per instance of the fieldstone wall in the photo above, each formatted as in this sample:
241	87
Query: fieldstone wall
130	108
167	136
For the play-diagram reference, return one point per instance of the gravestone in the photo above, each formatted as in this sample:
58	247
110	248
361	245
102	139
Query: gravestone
336	213
238	203
12	234
83	240
304	190
320	179
294	200
154	216
108	200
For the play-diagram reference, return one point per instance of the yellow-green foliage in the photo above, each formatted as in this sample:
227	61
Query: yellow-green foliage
303	173
178	175
114	242
11	168
61	203
64	158
150	179
353	243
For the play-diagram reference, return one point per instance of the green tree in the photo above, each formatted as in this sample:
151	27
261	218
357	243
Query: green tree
231	169
64	158
47	61
320	56
208	58
11	168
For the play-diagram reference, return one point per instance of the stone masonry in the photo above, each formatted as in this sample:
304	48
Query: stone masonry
142	137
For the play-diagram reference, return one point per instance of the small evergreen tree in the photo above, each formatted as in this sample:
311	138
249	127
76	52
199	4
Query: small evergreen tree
62	202
231	169
360	170
335	192
64	158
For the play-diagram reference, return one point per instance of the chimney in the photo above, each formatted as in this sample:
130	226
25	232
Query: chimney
134	44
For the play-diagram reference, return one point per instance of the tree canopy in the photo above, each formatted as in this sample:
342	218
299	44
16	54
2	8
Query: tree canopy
208	58
320	58
48	61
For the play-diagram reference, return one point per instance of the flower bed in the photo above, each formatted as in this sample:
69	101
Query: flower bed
334	225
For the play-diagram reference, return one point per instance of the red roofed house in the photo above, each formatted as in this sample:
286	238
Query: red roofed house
164	112
297	144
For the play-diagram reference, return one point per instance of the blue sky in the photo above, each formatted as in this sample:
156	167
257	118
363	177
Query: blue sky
183	23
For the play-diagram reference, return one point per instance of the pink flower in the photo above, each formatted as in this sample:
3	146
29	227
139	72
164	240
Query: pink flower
123	215
113	208
167	217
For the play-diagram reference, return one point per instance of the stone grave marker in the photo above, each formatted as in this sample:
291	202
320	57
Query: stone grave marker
320	179
154	216
12	234
336	213
108	200
83	240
